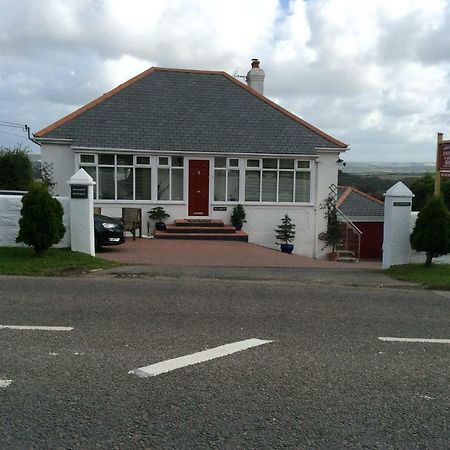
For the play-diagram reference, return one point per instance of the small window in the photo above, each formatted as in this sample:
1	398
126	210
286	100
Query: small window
270	163
87	159
233	162
124	160
220	162
252	162
143	160
286	163
106	159
163	160
302	164
177	161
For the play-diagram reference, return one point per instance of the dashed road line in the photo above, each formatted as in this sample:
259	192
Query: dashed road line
35	327
432	341
196	358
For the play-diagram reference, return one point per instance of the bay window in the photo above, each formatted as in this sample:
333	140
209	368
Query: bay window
226	179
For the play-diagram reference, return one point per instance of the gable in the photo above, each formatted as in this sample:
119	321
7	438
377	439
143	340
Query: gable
176	110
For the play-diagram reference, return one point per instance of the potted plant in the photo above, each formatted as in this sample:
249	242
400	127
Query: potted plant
285	232
158	214
238	216
332	235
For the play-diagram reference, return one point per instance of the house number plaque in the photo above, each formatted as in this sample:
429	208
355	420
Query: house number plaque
402	203
78	191
219	208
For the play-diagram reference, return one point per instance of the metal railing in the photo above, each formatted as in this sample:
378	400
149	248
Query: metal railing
350	235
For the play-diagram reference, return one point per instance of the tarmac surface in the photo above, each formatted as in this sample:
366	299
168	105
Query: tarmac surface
326	380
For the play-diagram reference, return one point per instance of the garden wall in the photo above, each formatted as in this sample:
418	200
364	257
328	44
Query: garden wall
10	206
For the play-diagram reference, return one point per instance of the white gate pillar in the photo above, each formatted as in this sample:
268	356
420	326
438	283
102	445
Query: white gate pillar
81	207
397	228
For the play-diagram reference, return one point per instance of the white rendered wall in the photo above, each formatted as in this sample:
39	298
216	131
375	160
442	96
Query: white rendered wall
10	206
63	160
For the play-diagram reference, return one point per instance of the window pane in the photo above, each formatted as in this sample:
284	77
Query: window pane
106	183
125	183
163	184
302	181
177	161
270	163
220	162
233	185
143	183
87	158
219	185
302	164
125	160
106	159
143	160
233	162
163	161
177	184
269	186
286	163
252	162
252	185
286	187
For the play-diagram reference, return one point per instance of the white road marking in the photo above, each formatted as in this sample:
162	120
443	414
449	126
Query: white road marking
432	341
5	383
195	358
35	327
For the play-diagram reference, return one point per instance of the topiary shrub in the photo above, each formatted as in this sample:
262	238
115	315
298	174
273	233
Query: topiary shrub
41	223
431	232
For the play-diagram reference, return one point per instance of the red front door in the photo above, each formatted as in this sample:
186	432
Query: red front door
198	188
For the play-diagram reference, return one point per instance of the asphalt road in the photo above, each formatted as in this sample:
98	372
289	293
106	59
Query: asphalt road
326	380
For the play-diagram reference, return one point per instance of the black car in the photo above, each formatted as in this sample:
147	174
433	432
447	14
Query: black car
108	231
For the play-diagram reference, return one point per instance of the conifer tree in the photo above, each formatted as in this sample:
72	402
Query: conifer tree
285	232
41	224
431	232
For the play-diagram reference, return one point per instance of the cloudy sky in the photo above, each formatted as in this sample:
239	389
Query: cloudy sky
374	73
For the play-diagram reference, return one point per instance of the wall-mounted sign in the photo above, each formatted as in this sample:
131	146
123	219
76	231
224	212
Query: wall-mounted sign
402	203
219	208
78	191
444	156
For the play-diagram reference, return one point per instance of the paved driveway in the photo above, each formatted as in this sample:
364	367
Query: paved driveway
164	252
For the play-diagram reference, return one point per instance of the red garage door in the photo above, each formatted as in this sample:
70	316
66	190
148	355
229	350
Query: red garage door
371	240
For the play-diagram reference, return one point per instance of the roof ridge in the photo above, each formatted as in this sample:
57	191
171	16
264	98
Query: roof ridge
343	197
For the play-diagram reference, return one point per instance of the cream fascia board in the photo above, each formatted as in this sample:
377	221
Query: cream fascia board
53	140
331	150
192	153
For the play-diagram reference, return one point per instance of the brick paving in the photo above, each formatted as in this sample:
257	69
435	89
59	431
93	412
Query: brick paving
214	254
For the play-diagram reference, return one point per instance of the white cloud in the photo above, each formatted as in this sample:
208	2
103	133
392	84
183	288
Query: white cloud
374	73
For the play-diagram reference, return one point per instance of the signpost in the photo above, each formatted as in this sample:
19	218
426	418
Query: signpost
442	162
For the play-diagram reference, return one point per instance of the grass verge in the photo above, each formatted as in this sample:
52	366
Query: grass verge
437	276
54	262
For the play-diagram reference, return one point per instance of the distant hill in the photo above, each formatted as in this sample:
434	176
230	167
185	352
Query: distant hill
380	168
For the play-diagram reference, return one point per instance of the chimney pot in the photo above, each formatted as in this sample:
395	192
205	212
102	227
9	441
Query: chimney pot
255	77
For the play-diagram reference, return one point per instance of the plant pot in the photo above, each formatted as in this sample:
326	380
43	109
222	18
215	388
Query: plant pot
333	256
160	226
238	226
287	248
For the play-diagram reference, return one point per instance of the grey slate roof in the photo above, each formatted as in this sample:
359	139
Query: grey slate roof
189	111
356	204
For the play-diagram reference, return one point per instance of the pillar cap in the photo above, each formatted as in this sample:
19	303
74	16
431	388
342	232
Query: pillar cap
399	190
81	177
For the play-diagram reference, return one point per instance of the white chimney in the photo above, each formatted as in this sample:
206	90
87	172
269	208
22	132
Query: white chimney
255	77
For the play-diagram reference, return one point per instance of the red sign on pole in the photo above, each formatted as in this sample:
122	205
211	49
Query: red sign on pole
444	156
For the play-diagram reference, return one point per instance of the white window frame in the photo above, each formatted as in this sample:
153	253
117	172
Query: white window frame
226	169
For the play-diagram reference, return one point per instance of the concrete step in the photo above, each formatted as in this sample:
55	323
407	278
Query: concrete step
236	236
347	259
191	229
198	223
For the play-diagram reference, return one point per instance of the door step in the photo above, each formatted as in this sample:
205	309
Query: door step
201	229
241	236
